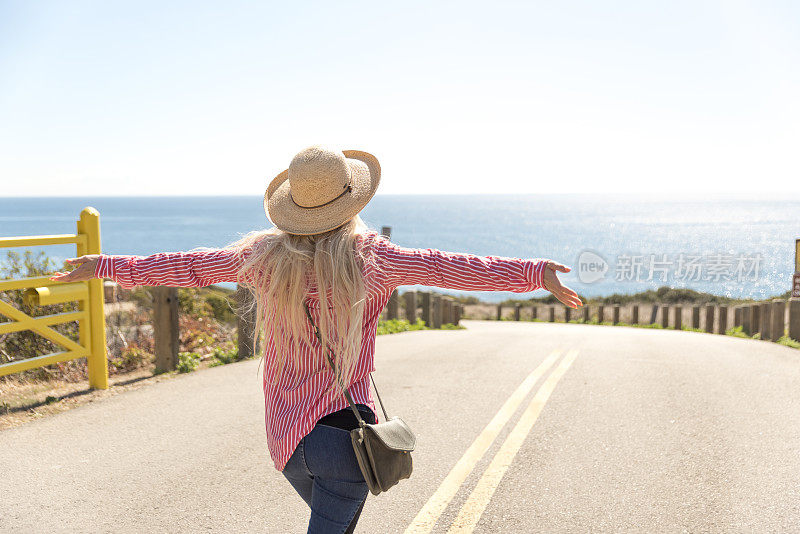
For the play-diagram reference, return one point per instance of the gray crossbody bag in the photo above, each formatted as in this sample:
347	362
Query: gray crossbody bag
383	450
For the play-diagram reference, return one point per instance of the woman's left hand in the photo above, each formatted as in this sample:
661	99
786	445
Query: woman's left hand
85	271
553	285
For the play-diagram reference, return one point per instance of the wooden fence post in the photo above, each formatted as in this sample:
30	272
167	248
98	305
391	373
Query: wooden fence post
245	323
615	314
600	309
653	314
755	318
410	298
794	318
766	321
393	306
747	319
457	318
534	312
437	311
447	311
427	308
499	312
737	316
165	327
709	326
635	314
695	316
517	308
567	314
722	319
586	314
665	316
678	320
778	328
551	314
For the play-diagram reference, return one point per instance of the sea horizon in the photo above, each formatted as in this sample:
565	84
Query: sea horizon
690	240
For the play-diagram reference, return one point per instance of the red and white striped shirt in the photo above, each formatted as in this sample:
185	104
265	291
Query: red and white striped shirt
296	403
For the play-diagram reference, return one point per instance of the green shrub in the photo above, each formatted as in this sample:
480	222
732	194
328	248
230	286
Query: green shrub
130	358
393	326
652	325
142	297
220	308
187	302
223	357
789	342
736	331
188	362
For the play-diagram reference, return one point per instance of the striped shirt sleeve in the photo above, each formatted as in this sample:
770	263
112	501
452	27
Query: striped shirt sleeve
180	269
398	266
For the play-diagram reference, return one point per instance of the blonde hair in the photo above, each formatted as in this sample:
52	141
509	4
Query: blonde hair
276	274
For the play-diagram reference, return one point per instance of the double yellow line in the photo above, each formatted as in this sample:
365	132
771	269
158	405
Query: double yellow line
476	503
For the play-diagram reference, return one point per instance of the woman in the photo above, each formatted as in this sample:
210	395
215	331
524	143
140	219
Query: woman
320	249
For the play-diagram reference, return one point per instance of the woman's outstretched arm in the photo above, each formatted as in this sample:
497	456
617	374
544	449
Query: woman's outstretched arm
181	269
397	265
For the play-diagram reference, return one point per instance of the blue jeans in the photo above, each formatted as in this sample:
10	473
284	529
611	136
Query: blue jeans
323	469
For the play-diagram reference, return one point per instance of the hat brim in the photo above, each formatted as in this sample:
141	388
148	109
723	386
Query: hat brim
281	210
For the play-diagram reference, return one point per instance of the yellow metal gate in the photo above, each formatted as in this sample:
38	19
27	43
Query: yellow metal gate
42	290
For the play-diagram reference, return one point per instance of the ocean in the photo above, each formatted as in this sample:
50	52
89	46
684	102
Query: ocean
736	247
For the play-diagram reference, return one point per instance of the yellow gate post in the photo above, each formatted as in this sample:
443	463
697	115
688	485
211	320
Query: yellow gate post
97	361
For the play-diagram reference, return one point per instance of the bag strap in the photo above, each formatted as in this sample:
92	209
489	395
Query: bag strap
346	391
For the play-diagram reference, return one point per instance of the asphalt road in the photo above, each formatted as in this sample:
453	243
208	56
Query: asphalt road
614	430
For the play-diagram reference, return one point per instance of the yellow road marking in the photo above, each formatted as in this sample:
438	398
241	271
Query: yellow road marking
427	517
479	498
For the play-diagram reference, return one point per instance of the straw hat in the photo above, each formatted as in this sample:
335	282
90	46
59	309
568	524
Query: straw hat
321	190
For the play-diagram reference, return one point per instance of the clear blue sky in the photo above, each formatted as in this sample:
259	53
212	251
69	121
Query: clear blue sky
120	98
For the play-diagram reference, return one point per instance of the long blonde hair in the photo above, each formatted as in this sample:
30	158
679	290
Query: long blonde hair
276	274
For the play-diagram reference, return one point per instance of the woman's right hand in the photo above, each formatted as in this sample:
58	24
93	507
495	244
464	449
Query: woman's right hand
85	271
553	285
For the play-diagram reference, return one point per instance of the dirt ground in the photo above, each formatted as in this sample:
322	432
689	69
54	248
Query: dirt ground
22	401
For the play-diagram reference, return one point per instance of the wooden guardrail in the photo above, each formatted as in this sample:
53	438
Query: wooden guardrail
771	320
41	290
